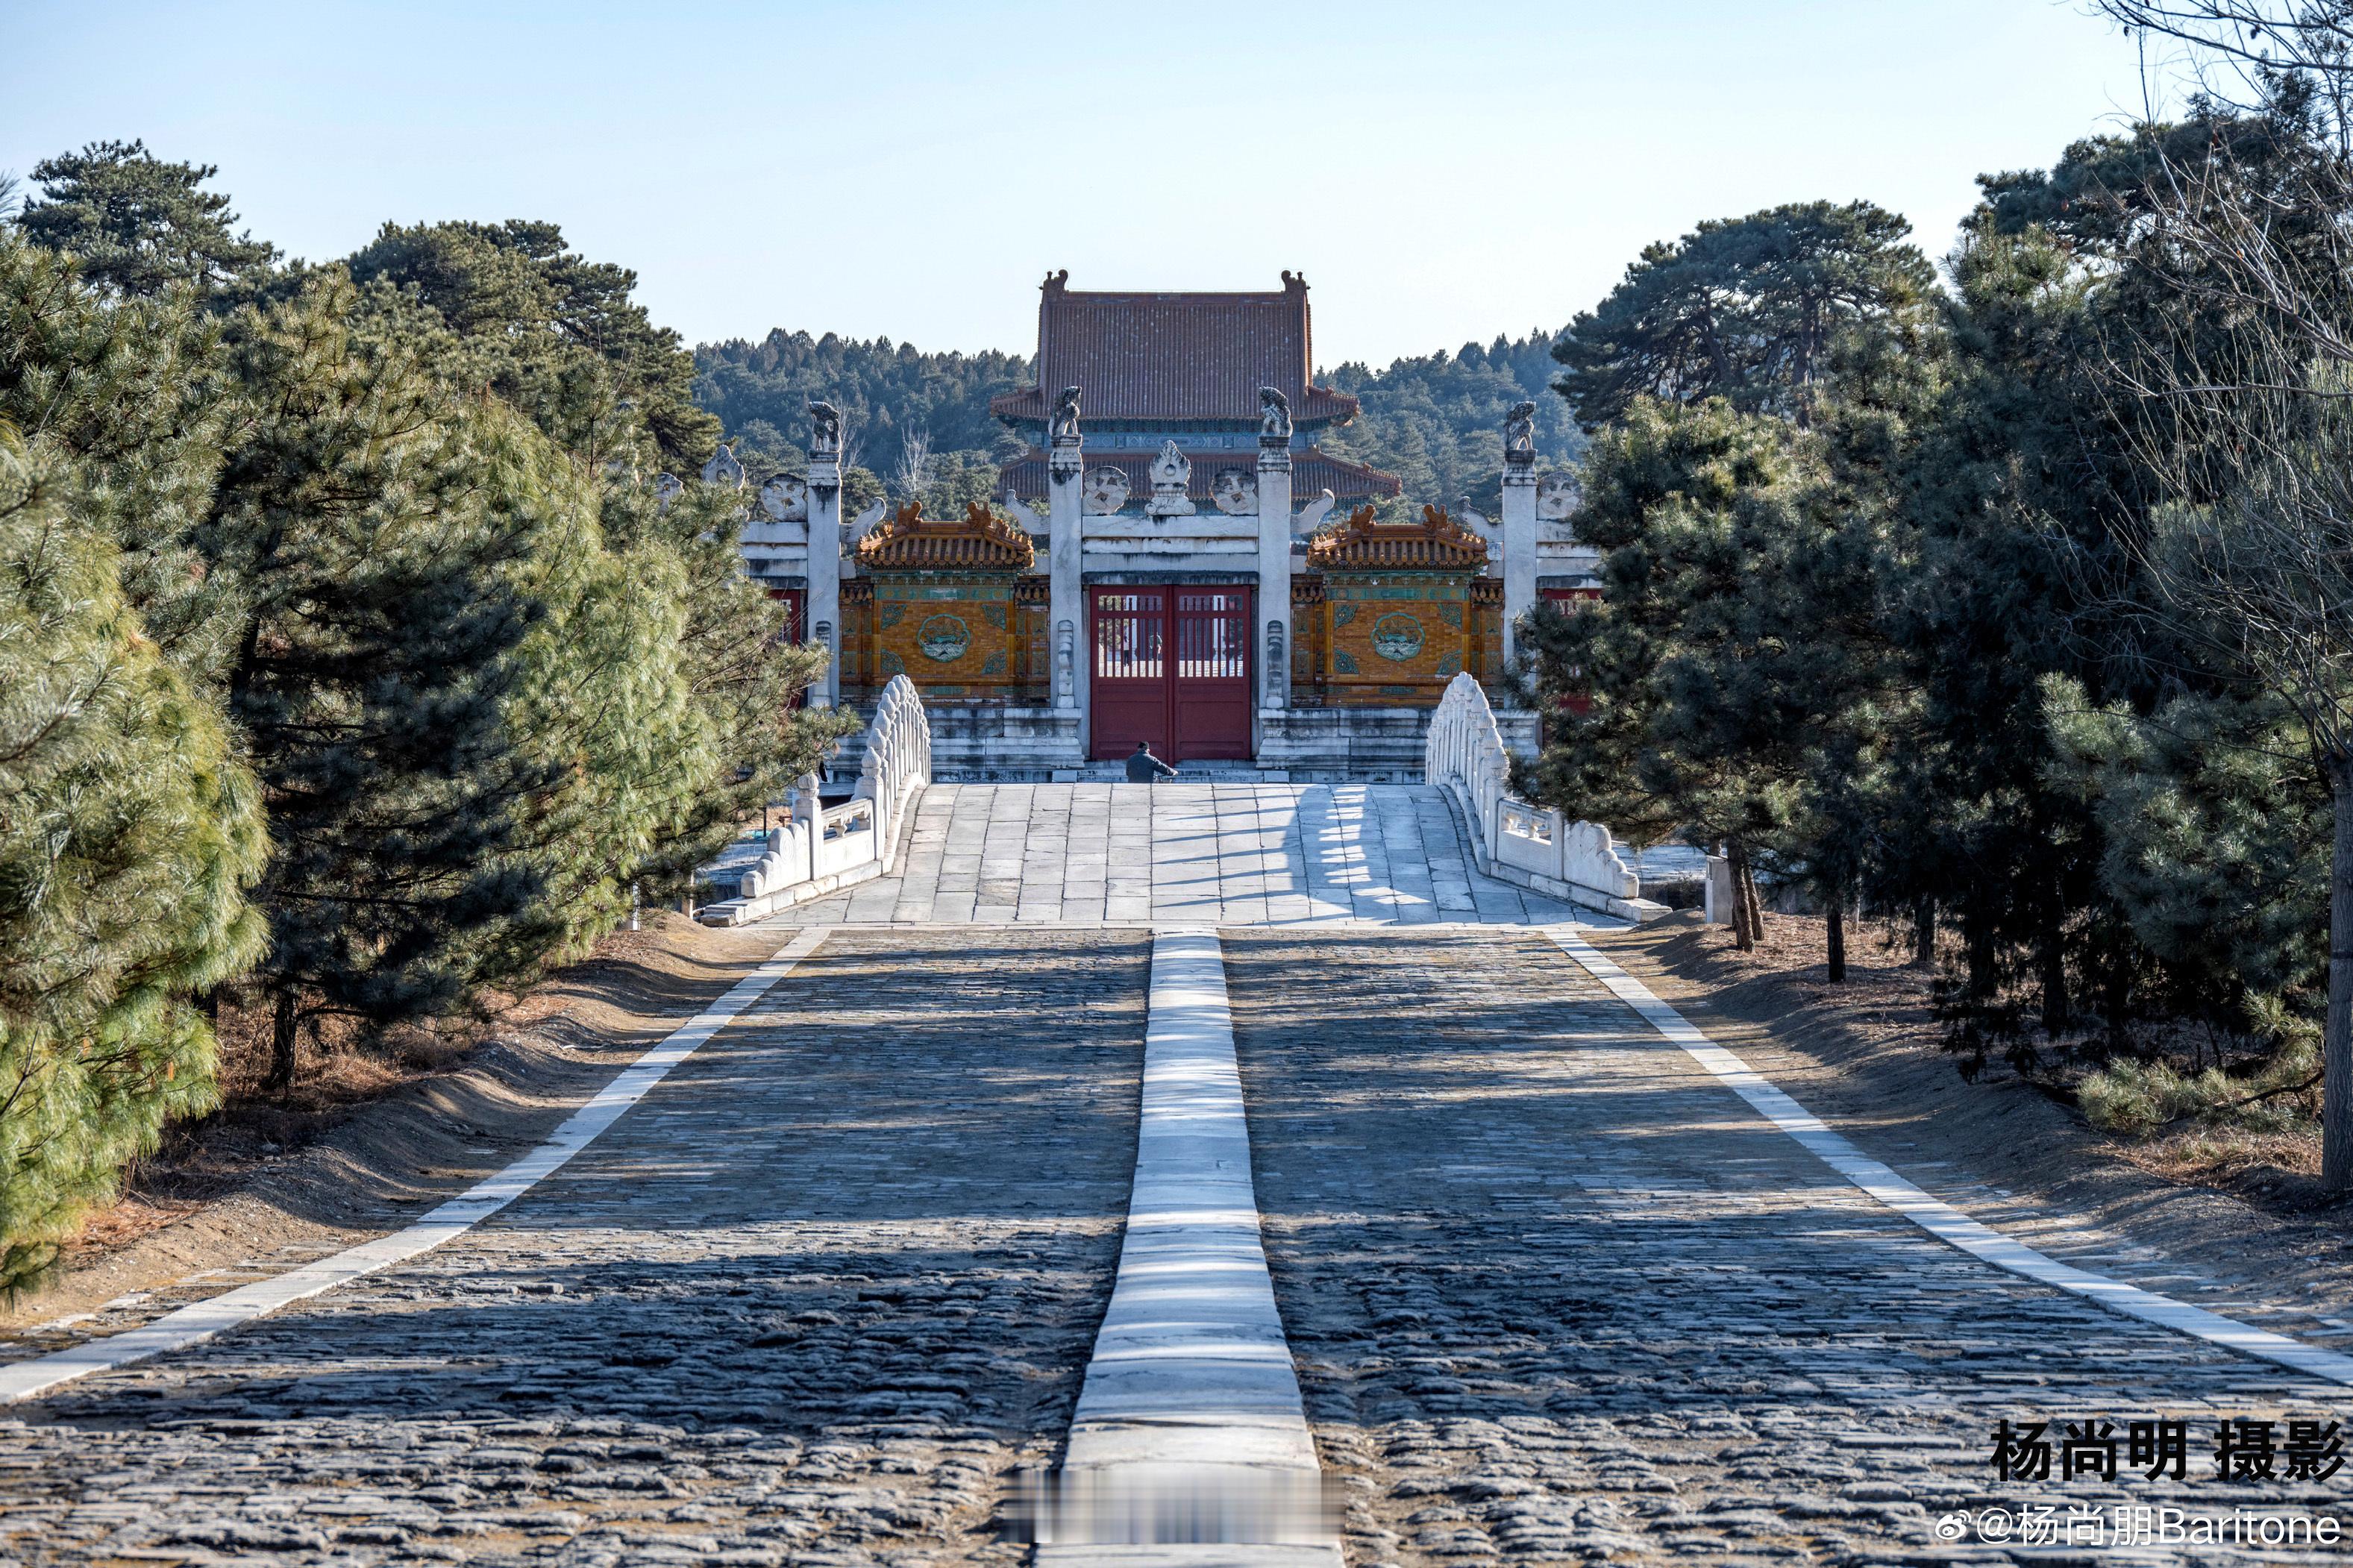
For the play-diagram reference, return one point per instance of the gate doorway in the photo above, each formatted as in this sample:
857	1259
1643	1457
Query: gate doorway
1172	666
795	630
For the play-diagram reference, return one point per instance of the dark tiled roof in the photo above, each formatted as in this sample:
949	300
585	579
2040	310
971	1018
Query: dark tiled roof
1310	471
980	540
1436	544
1175	357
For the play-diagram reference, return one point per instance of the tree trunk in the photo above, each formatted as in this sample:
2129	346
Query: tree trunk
1923	931
2055	1012
283	1024
1838	938
1744	935
1751	901
2336	1044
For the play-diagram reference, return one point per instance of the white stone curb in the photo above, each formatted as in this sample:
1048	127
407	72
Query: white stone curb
1191	1442
190	1325
1938	1218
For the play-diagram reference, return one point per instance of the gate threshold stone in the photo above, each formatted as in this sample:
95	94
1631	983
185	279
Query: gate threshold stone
1191	1443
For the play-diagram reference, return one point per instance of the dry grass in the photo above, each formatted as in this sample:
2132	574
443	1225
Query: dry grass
1885	1003
344	1066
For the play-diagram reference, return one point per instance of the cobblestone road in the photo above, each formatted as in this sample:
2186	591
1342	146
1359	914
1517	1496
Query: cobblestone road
808	1303
1557	1297
1554	1294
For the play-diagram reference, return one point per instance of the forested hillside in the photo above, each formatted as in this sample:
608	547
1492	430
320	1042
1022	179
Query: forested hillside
902	408
1437	422
919	421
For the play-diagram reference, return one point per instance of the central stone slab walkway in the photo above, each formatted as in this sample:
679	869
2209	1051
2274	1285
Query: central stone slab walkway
1177	853
1190	1435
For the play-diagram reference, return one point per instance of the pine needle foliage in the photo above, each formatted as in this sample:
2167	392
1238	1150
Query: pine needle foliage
129	835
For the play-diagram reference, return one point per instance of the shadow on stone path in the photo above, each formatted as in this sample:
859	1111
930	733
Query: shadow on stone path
809	1303
1555	1296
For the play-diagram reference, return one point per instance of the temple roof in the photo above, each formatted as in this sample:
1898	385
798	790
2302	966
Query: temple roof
980	540
1358	544
1311	470
1167	357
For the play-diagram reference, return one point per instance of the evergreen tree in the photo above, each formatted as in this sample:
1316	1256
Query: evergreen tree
552	333
1707	697
129	835
744	675
370	525
129	392
1749	310
139	224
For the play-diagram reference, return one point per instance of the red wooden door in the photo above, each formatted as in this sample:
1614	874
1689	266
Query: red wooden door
796	601
796	627
1130	695
1211	694
1172	666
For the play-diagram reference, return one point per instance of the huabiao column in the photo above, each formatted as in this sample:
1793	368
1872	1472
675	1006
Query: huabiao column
1519	520
1067	600
1274	545
825	547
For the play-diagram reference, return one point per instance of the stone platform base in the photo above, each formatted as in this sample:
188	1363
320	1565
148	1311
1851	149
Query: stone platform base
1362	745
981	744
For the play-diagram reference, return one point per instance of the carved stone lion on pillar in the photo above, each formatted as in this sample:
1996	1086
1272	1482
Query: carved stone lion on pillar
824	430
1273	414
1519	428
1064	424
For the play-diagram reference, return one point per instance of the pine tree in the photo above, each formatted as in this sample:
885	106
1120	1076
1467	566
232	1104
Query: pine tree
128	836
743	674
129	392
370	525
1701	697
554	334
1750	310
139	224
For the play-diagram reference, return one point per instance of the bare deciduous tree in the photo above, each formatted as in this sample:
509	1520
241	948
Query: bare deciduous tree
914	468
2246	405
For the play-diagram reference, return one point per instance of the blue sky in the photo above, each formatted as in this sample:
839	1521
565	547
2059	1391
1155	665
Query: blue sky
1440	173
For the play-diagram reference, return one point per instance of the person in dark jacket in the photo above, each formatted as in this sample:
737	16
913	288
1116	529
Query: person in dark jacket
1143	767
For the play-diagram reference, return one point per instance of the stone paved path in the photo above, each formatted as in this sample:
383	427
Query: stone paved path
1552	1293
1556	1296
809	1301
1209	854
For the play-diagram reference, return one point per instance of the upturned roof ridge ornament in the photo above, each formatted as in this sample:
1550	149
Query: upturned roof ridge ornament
1362	542
978	541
